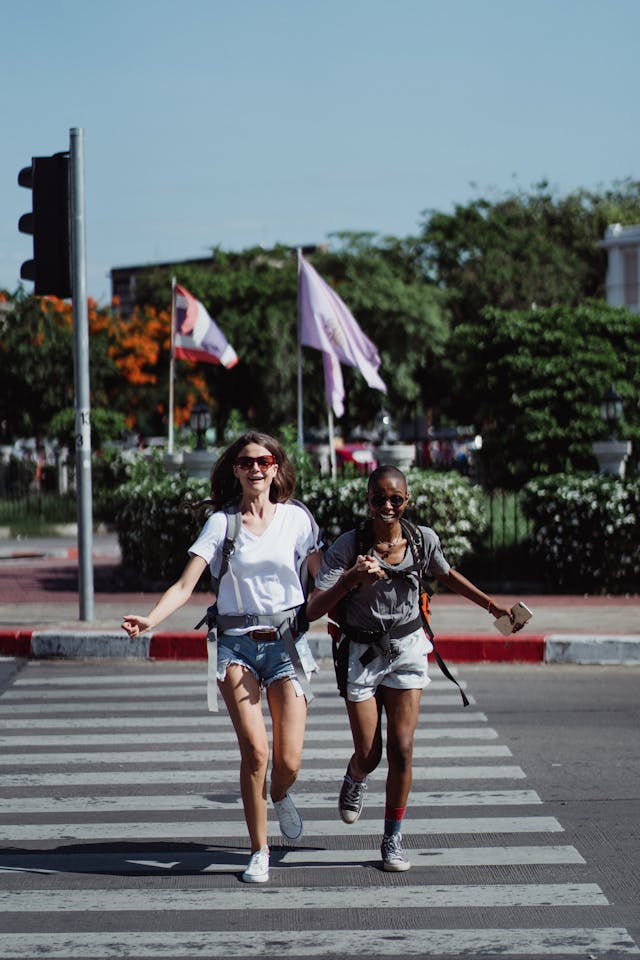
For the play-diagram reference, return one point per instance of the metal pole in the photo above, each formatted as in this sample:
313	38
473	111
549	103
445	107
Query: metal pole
332	444
300	423
81	373
172	370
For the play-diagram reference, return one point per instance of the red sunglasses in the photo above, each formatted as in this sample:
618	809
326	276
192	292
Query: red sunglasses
263	463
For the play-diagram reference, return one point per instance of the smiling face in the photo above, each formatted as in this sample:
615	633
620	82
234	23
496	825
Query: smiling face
255	467
387	499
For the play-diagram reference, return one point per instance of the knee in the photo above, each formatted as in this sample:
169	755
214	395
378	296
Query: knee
255	756
400	753
286	768
368	761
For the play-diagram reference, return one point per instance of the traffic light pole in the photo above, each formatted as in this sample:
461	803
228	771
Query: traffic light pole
81	373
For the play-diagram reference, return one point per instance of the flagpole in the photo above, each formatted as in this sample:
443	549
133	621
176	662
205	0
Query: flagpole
300	425
172	368
332	446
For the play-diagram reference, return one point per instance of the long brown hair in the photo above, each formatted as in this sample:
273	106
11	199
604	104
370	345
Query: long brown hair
226	488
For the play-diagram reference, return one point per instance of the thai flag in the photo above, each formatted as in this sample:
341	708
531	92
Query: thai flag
196	335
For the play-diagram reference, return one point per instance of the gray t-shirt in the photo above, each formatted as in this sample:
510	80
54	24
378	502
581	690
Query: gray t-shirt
385	603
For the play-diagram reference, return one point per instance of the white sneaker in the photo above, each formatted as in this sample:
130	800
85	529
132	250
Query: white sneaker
258	867
288	817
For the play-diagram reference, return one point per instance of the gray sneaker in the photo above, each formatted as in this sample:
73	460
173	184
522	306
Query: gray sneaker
351	800
393	856
290	821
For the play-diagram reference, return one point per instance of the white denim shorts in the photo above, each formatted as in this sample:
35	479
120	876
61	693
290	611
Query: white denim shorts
408	671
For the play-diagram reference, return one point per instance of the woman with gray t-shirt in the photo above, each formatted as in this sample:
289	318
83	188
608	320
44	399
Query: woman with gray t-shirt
378	594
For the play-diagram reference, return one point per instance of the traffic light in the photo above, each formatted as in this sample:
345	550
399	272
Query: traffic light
48	179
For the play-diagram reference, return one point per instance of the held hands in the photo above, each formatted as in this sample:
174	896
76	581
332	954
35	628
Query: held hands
135	625
366	569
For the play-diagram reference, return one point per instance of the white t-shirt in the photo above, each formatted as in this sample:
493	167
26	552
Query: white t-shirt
263	572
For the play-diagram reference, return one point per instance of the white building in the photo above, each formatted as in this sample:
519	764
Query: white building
623	271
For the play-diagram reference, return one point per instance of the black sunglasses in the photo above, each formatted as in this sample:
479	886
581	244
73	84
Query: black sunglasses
379	500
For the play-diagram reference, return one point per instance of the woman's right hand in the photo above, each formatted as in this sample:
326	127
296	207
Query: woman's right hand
366	569
135	625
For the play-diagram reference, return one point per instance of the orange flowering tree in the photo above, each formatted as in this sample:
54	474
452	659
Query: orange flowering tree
128	364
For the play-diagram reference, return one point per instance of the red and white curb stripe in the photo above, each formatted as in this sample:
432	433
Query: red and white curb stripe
191	645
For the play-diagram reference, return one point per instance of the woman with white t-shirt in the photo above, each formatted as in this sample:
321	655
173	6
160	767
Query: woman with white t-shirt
258	640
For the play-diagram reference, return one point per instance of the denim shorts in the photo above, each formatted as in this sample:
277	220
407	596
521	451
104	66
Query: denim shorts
408	671
267	660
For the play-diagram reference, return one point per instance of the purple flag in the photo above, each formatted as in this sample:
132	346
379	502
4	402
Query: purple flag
328	325
333	383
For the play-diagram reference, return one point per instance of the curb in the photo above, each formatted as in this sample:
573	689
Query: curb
191	645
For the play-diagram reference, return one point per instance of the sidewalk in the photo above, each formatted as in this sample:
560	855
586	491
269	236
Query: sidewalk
39	617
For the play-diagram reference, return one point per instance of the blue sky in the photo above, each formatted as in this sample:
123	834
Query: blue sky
239	122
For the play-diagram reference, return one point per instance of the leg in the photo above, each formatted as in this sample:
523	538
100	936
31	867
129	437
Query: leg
366	729
289	715
365	718
402	708
241	693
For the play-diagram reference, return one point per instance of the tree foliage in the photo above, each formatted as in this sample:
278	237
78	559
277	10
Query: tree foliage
253	298
128	366
516	252
536	379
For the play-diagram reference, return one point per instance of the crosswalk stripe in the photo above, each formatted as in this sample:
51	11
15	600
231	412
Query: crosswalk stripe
423	897
55	692
121	830
208	776
304	801
212	755
534	942
232	860
206	721
322	681
170	705
221	736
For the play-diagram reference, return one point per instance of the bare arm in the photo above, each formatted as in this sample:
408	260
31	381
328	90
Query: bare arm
465	588
313	562
173	598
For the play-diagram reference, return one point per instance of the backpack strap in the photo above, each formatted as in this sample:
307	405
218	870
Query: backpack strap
425	604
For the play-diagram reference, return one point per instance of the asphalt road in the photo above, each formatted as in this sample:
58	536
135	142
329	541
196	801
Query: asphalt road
122	834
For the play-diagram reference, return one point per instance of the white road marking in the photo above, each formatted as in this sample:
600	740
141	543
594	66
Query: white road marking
149	829
535	942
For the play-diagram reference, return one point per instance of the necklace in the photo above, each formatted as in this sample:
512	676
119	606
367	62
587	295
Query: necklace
390	544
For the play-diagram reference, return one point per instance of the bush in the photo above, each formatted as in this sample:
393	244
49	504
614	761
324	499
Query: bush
446	502
586	531
156	523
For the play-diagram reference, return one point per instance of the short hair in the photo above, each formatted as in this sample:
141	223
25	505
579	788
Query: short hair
386	470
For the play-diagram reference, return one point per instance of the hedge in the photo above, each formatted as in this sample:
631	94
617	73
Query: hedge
156	522
586	532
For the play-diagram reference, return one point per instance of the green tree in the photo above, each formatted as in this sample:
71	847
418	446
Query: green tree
106	424
253	297
536	379
525	249
36	358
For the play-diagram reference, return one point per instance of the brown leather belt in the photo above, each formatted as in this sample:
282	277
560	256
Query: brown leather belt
265	635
